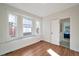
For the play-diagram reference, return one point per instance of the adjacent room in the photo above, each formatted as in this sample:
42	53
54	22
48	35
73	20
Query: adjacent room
39	29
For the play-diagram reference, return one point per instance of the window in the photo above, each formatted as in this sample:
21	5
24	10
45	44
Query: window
12	25
37	27
27	26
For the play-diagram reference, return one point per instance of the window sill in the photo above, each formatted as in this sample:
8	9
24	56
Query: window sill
19	38
27	36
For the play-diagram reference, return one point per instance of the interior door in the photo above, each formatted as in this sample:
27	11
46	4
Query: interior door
55	32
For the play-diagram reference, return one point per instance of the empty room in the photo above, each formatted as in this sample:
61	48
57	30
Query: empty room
39	29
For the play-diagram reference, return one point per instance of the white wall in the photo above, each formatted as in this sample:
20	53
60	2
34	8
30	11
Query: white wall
73	14
46	30
74	41
6	43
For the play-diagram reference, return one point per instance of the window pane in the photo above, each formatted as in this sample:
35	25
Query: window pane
37	27
12	25
27	25
27	30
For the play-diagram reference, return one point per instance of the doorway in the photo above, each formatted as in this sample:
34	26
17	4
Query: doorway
65	32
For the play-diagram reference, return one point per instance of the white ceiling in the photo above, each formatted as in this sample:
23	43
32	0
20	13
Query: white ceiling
42	9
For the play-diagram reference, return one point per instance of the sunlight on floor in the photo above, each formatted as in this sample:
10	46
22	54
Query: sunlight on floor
52	53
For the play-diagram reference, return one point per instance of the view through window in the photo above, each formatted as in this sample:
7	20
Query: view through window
12	25
27	26
37	27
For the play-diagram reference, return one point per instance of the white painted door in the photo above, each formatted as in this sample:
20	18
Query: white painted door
55	32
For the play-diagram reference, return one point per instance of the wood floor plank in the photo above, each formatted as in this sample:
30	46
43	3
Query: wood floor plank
40	49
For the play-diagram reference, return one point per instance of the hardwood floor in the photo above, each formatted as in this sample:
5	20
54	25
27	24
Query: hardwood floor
40	49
